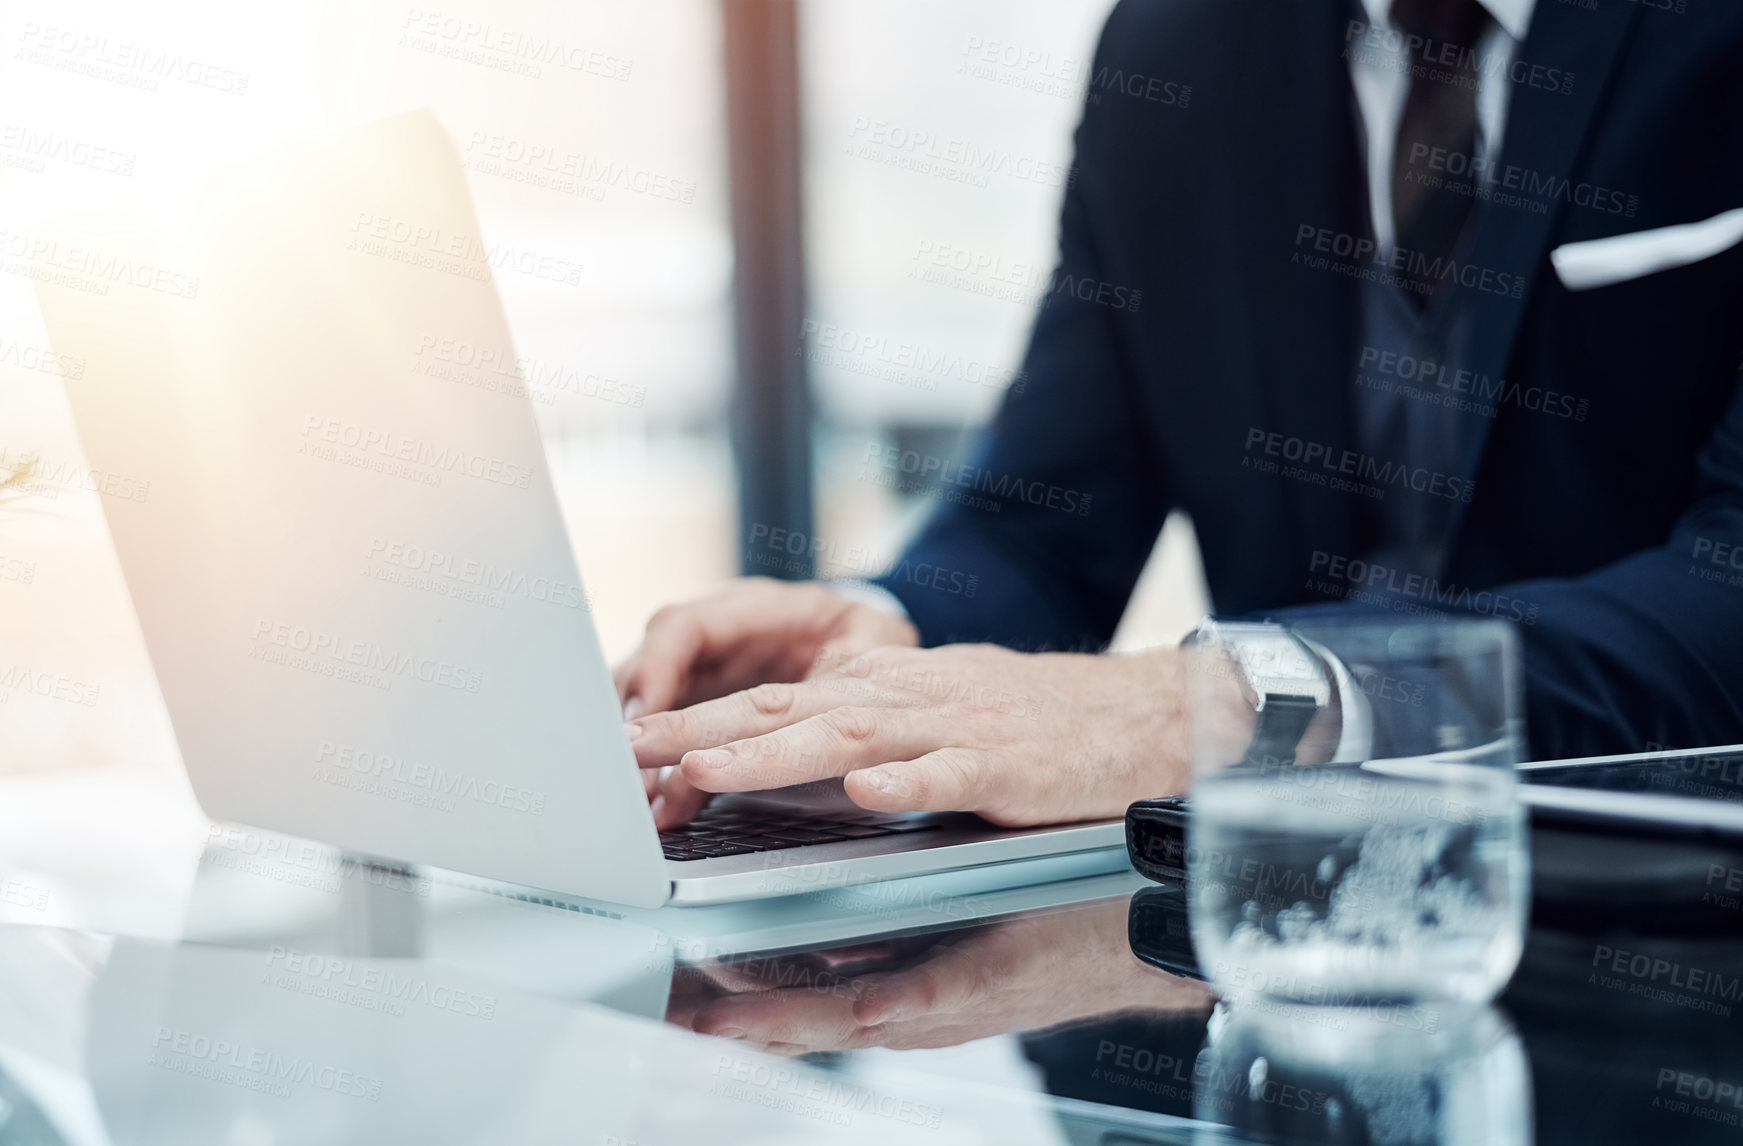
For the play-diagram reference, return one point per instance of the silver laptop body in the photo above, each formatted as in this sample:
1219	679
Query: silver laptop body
344	547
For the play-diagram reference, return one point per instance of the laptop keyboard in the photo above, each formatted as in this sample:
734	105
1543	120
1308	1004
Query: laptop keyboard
737	833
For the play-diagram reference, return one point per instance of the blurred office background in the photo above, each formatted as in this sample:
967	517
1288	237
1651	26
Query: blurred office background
616	151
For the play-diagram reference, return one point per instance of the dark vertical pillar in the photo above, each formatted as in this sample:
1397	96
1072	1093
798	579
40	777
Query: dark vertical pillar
771	409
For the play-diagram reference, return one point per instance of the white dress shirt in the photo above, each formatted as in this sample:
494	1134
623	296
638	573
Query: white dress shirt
1380	71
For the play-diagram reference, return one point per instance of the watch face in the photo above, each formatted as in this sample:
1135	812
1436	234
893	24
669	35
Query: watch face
1278	664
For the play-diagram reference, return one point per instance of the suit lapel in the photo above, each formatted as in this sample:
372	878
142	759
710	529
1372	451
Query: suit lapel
1304	170
1546	133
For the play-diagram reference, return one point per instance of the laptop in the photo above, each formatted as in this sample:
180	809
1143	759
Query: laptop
313	443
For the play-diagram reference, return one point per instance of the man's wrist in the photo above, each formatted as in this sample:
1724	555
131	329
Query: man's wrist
1160	745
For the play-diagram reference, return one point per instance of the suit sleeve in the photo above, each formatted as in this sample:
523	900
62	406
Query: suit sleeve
1645	652
1038	542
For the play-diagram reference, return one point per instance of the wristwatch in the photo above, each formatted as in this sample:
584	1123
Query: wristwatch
1288	683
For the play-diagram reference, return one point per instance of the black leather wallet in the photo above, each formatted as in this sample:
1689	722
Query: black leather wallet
1156	838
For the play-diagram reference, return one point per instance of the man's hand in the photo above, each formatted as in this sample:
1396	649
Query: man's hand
755	630
1027	974
1019	738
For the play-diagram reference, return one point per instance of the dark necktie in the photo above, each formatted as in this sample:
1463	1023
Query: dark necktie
1440	116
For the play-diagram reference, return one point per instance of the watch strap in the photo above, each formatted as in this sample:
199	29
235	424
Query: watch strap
1283	721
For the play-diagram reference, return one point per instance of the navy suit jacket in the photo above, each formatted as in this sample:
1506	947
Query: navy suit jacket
1606	514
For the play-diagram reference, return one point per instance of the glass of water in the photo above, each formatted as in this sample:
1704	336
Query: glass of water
1370	849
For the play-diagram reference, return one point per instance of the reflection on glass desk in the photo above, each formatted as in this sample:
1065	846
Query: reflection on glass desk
1306	1074
165	981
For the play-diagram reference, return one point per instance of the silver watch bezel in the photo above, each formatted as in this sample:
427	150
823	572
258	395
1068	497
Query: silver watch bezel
1273	661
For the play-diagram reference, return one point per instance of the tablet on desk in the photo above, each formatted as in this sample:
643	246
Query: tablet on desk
1679	792
1651	842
